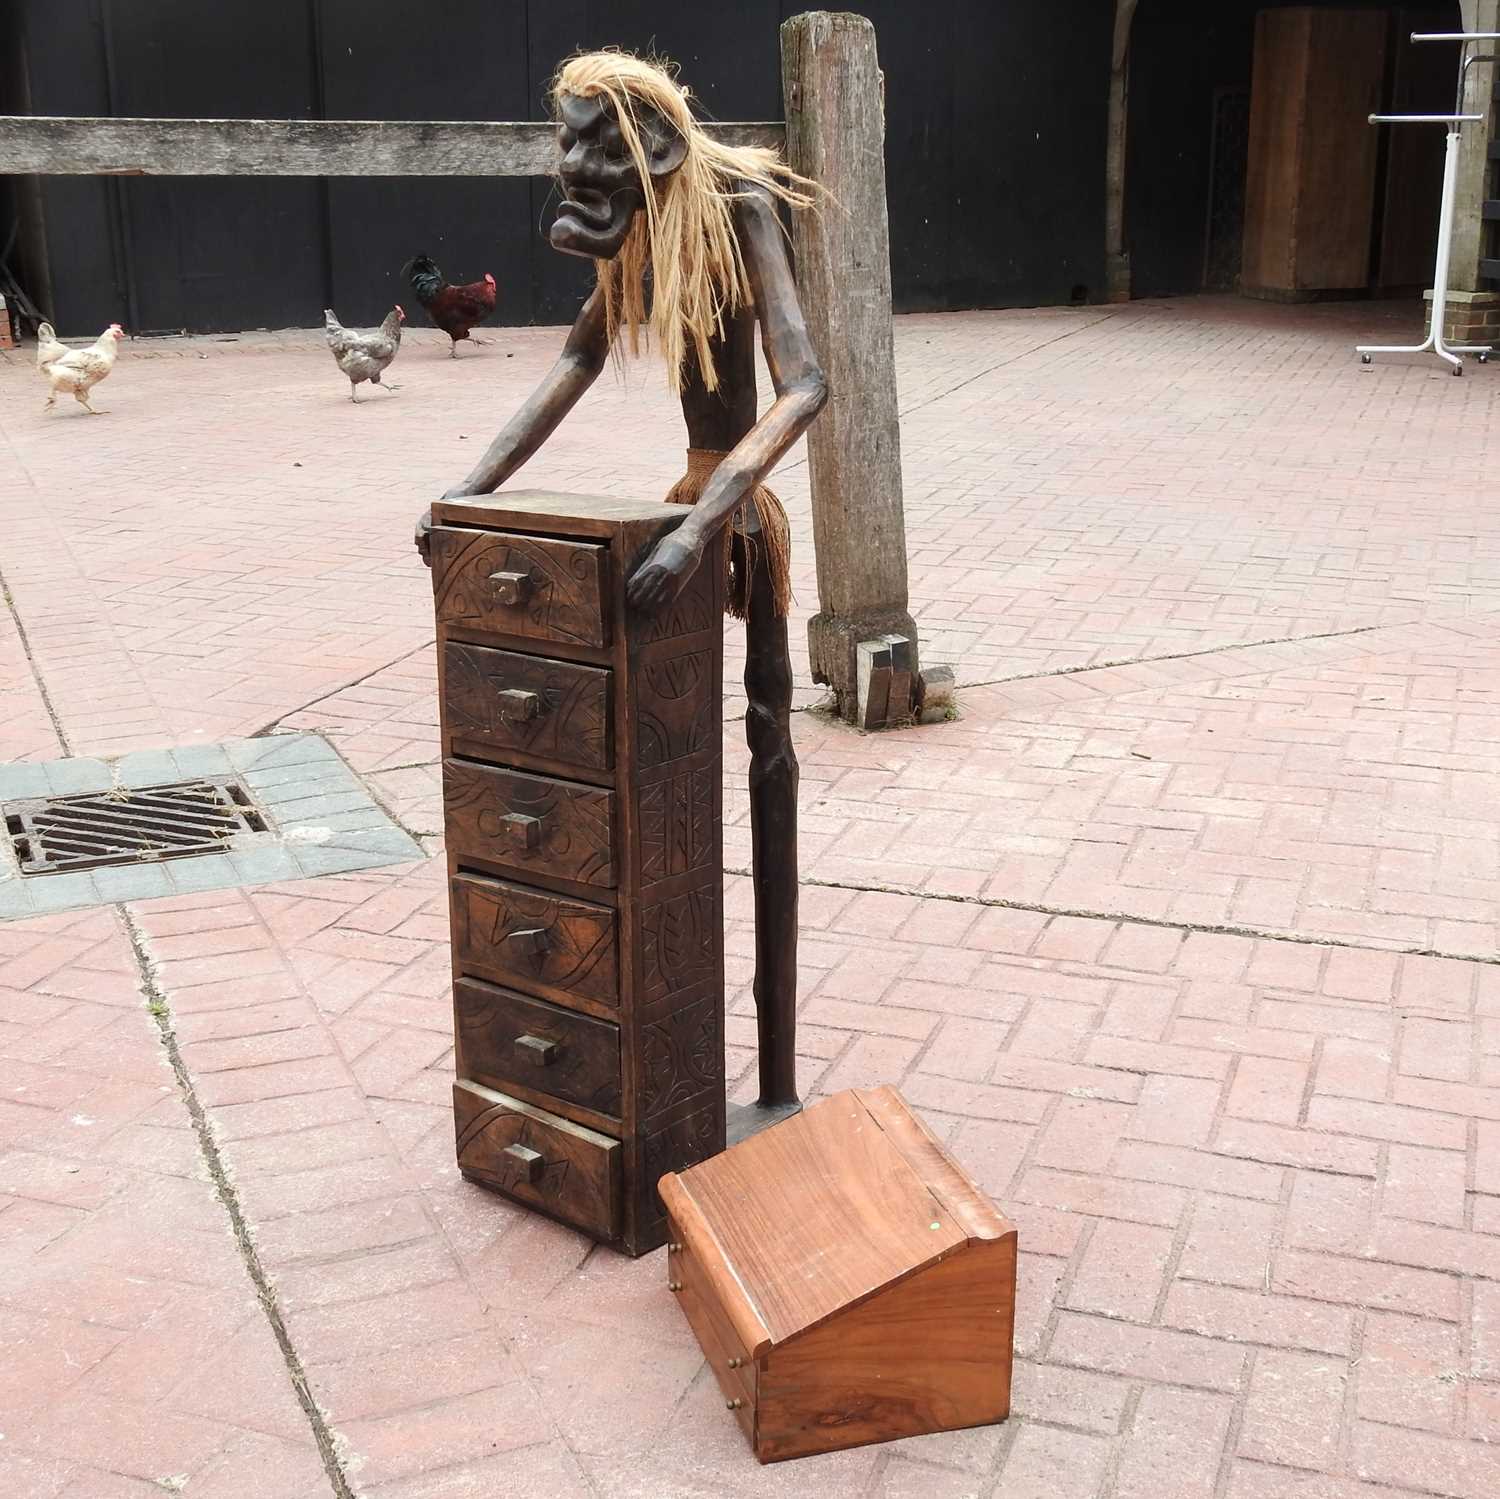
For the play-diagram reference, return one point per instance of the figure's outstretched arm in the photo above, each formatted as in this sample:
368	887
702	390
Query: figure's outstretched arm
801	391
577	368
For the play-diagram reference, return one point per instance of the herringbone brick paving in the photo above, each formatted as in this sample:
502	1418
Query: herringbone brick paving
1191	959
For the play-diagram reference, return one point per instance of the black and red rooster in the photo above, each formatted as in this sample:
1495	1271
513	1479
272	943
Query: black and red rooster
454	309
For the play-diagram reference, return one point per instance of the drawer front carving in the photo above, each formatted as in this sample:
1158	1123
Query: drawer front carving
528	586
535	940
534	824
537	1158
507	1037
555	709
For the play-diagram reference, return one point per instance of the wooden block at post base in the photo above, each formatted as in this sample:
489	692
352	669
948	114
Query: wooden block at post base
846	1279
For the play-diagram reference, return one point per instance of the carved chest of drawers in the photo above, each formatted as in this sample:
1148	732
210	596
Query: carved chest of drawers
582	807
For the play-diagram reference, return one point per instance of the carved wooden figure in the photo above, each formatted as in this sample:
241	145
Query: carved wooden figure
647	192
846	1280
582	792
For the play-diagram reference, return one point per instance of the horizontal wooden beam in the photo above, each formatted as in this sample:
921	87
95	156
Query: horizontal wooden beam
83	146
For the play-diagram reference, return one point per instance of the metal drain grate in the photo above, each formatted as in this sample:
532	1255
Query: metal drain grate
129	826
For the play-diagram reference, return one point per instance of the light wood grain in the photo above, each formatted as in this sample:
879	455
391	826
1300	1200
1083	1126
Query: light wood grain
932	1353
68	145
822	1211
846	1278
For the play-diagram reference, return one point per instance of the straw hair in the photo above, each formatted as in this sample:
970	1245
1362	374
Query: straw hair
686	236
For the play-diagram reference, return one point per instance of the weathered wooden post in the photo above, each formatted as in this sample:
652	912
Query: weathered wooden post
835	134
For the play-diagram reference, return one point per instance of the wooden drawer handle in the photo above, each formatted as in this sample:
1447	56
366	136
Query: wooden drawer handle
532	1162
531	941
523	830
538	1050
517	705
512	587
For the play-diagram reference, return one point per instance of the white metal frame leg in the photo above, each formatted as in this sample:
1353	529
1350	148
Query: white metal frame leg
1455	123
1434	339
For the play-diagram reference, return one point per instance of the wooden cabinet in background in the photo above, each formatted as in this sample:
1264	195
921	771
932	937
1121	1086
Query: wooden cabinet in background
1310	187
582	810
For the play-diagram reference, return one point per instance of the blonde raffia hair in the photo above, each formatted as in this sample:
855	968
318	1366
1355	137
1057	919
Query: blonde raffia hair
686	235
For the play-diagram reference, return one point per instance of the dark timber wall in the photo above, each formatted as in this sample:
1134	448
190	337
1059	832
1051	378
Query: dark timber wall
995	116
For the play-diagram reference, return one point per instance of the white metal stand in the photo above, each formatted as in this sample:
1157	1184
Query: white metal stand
1455	123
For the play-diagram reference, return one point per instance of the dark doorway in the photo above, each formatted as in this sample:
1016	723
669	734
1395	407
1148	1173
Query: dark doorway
1224	249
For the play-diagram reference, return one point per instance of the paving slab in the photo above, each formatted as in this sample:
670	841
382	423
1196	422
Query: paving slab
1181	934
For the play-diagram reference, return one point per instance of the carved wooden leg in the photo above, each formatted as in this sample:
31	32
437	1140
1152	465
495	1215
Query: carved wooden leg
773	835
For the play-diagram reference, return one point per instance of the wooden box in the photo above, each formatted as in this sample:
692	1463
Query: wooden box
1310	174
582	811
847	1281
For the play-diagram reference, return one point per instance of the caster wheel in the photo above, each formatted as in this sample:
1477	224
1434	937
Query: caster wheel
1458	369
1483	358
1364	359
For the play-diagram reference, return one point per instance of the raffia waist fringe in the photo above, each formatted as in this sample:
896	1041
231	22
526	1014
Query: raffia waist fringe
775	538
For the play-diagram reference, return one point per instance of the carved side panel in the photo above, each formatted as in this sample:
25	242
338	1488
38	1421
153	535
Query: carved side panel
558	710
677	710
529	586
681	941
534	824
696	609
679	827
535	940
682	1053
681	1143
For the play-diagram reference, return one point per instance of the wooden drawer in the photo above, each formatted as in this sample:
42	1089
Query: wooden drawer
507	1038
535	824
557	710
733	1365
537	1158
516	935
528	586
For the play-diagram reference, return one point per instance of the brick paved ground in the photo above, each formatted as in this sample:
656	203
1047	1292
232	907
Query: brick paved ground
1183	935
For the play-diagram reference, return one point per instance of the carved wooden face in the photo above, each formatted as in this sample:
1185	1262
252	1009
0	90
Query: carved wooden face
602	190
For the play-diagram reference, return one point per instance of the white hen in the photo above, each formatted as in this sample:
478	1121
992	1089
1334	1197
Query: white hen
80	370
